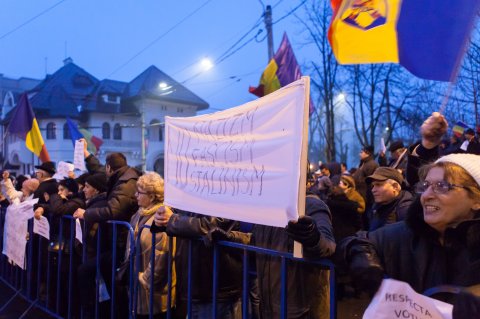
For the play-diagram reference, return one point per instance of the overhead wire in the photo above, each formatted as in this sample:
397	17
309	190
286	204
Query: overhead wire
159	38
31	19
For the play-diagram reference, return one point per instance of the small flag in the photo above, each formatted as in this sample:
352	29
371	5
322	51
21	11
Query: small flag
282	70
94	142
25	125
426	37
459	128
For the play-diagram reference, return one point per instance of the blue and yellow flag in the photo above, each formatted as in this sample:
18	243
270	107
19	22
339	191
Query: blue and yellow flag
24	124
427	37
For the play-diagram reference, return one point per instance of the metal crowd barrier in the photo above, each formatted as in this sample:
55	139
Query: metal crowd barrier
22	281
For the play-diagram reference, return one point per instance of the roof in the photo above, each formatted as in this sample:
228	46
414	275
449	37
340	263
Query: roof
60	93
71	90
147	84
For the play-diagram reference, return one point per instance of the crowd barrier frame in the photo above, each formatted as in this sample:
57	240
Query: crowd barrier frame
20	281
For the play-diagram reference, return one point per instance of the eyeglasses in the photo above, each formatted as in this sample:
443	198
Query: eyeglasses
441	187
139	192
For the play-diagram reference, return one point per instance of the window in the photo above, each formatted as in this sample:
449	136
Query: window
117	132
51	131
160	133
66	132
106	131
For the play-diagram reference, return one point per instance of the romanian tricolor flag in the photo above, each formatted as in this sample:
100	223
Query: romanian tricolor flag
459	128
282	70
24	124
427	37
93	142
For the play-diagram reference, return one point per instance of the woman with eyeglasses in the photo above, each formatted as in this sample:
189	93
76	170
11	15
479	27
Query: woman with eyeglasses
150	198
439	242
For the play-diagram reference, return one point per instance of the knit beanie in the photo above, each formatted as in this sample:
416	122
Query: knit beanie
98	181
469	162
31	184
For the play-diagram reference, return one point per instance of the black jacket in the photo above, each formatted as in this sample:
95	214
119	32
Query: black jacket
121	200
410	251
305	282
346	220
91	229
49	186
383	214
188	226
58	207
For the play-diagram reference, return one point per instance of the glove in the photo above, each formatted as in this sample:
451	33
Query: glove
216	234
367	278
304	231
466	305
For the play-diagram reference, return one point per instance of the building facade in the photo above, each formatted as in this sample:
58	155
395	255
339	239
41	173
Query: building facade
127	116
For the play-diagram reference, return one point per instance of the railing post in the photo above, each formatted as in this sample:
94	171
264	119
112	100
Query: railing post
246	286
283	278
29	257
59	265
70	266
114	262
169	276
215	280
152	275
189	293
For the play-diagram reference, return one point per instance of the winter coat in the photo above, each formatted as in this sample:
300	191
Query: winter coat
383	214
410	251
50	186
56	208
91	229
121	200
144	247
188	227
353	195
346	220
307	284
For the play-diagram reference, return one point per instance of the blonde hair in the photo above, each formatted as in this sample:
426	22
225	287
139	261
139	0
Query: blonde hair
153	184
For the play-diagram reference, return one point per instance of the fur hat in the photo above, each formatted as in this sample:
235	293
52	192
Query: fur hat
98	181
469	162
348	180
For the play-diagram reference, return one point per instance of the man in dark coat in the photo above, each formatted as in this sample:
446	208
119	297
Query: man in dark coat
187	226
391	201
48	184
121	205
307	284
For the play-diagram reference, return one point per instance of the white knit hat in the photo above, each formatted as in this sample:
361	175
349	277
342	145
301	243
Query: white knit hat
469	162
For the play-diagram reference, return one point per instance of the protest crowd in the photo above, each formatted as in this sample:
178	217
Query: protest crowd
412	216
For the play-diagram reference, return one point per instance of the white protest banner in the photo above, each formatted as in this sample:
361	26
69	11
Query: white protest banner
246	163
396	299
42	227
78	231
78	156
15	231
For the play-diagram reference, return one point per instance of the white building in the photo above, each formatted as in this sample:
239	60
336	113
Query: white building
116	112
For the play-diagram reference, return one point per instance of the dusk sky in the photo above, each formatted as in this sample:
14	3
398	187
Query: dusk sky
119	39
